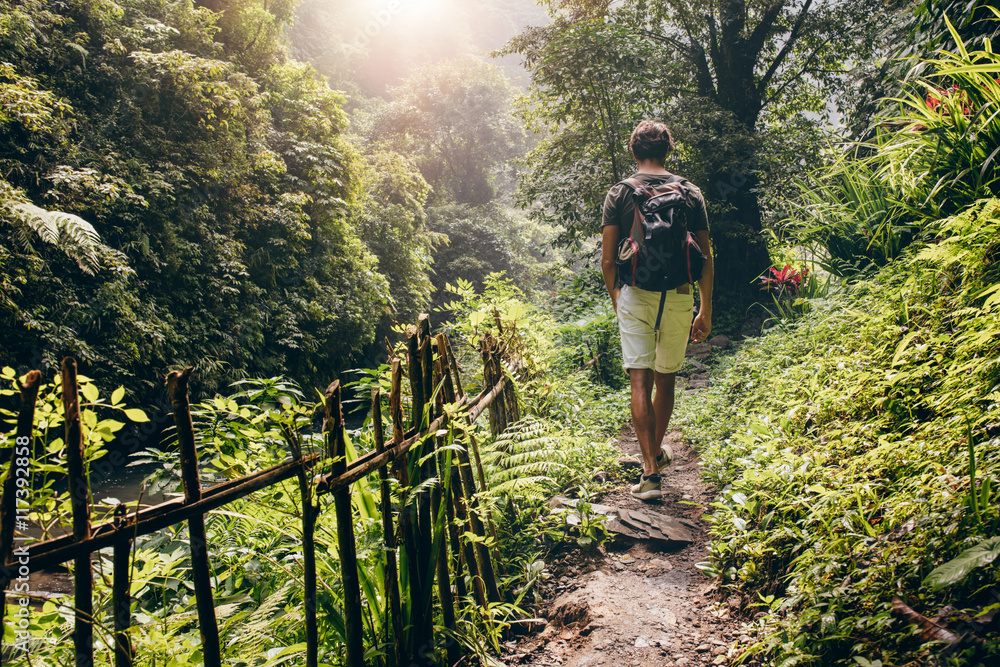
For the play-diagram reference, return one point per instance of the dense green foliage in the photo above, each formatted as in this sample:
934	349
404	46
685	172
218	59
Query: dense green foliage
856	444
934	155
218	174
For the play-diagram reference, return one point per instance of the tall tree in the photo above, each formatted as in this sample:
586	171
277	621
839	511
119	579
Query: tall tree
724	73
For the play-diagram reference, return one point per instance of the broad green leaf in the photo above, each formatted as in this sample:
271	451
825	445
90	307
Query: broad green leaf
90	391
959	567
117	395
516	311
136	415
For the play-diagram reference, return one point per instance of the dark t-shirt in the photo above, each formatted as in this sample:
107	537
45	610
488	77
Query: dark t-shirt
619	206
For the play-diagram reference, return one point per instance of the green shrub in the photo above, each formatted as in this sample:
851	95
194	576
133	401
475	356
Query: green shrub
841	445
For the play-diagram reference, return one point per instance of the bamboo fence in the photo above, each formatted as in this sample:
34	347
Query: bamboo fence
435	381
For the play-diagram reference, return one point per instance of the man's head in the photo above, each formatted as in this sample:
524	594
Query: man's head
651	140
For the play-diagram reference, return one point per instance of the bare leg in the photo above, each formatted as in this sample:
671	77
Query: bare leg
663	406
643	417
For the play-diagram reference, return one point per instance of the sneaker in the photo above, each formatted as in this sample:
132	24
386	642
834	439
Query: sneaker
648	488
665	458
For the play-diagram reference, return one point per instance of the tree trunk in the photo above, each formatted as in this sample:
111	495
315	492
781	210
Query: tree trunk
741	253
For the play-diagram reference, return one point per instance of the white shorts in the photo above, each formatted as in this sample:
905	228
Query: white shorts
636	318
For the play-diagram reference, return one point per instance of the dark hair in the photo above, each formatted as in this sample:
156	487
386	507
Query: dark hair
651	140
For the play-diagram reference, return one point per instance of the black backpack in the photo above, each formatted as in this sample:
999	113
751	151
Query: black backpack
660	254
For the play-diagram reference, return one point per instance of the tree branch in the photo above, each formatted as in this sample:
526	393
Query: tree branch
803	70
759	34
713	40
672	41
785	50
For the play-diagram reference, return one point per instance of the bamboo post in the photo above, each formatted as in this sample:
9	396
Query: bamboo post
333	425
457	552
492	374
310	513
453	364
407	513
19	457
421	617
121	597
426	355
396	401
486	570
510	395
443	575
489	381
391	578
177	386
416	376
79	493
444	368
460	508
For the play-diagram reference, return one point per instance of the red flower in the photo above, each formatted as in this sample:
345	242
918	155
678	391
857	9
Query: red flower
786	280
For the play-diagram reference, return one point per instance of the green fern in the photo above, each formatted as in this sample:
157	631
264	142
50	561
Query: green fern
70	233
525	460
254	630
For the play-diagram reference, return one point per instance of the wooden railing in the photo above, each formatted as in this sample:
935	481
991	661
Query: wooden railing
434	378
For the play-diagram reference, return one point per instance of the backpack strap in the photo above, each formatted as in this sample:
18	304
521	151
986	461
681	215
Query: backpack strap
640	194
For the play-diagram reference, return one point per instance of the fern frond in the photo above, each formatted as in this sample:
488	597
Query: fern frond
525	460
70	233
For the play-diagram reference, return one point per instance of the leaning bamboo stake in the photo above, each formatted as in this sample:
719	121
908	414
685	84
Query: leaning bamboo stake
120	594
483	574
443	370
417	398
17	455
453	364
310	513
177	386
454	539
422	619
443	575
468	551
333	425
391	577
79	493
407	512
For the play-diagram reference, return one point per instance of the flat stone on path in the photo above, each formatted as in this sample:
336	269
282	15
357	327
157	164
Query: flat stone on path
636	525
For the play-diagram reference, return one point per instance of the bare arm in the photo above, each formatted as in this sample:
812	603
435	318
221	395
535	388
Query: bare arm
702	325
609	248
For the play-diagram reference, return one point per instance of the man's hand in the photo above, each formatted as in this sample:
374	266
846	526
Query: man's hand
701	327
614	299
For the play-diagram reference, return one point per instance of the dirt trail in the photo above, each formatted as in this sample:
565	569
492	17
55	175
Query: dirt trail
632	604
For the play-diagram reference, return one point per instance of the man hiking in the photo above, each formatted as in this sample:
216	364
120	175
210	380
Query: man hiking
649	260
